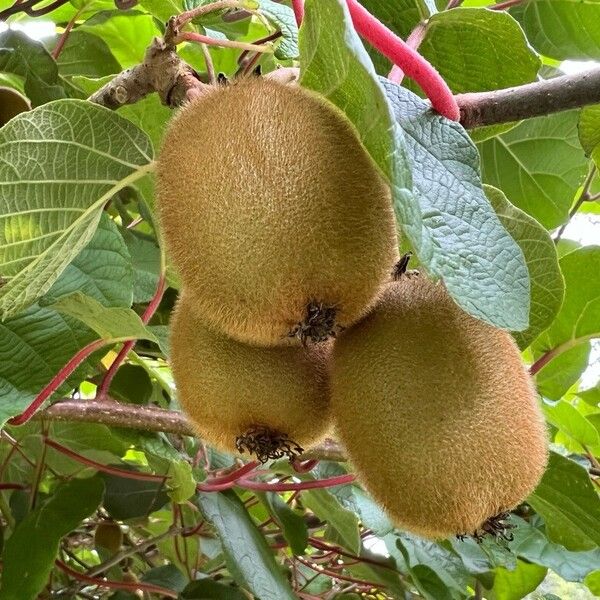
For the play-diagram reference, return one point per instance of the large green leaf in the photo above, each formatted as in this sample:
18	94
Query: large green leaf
589	128
562	28
569	420
468	48
30	552
128	34
482	266
531	544
579	318
61	163
538	165
516	584
293	525
44	338
555	379
118	323
21	55
249	559
282	17
569	503
547	284
88	55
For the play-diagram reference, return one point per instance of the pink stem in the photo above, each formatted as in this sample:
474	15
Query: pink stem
57	381
413	41
128	346
304	466
65	35
411	62
298	6
335	575
292	487
505	5
234	475
100	467
115	585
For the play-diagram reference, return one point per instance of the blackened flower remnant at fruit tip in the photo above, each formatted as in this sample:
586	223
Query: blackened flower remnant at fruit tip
401	267
267	444
495	527
319	324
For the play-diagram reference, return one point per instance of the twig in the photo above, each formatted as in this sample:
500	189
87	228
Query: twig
334	575
413	41
530	100
150	418
62	40
584	196
192	36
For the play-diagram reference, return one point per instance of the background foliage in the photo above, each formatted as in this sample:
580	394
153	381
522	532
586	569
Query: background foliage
81	263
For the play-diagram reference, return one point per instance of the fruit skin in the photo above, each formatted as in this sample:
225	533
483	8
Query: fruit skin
227	387
268	202
437	412
109	536
11	104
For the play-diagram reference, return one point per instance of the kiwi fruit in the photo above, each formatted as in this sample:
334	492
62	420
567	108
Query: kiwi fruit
11	104
108	535
276	218
437	412
271	402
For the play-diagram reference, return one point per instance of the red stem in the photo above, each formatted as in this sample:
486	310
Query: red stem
115	585
104	468
505	5
57	381
411	62
128	346
12	486
65	35
304	466
320	545
298	6
234	475
414	40
292	487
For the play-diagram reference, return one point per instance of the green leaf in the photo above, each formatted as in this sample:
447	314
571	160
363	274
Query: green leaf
88	55
562	29
282	17
163	9
109	323
579	318
591	396
334	63
569	503
481	265
468	47
547	284
568	419
207	589
328	508
293	526
131	498
166	576
539	165
592	581
127	34
514	585
589	128
44	338
30	552
531	544
60	164
21	55
557	377
248	558
145	258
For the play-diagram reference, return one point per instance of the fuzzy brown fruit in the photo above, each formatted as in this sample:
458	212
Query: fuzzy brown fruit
11	104
437	412
274	214
269	401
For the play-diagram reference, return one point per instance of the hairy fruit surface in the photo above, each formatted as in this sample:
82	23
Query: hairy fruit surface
270	402
277	219
437	412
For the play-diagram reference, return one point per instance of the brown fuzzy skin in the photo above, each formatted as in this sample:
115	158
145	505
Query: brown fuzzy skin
437	412
12	103
268	202
227	387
